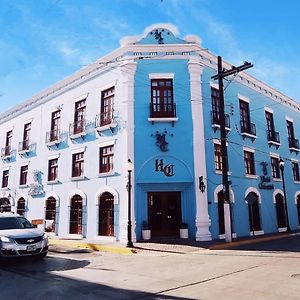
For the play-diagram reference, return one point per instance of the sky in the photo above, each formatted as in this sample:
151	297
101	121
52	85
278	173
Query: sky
43	41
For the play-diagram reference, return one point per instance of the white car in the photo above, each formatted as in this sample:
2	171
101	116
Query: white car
18	237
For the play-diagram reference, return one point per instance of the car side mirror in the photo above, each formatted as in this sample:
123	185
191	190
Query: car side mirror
34	226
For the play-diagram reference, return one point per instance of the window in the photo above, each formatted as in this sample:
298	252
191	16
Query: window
275	167
52	169
295	167
106	159
246	125
26	136
107	102
218	157
7	150
271	133
77	165
21	209
293	143
249	163
162	104
79	117
5	176
23	175
55	126
215	102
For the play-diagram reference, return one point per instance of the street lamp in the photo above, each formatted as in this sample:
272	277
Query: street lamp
281	166
129	167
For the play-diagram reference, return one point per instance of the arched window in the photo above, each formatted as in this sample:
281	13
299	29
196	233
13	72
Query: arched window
253	211
106	214
280	211
50	214
76	215
21	207
221	213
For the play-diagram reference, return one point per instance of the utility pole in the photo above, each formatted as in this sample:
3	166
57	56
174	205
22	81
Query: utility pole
226	198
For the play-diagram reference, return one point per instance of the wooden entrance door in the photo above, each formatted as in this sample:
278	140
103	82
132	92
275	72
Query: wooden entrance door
164	213
76	215
50	214
106	215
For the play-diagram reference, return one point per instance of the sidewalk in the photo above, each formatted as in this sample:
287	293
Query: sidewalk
176	246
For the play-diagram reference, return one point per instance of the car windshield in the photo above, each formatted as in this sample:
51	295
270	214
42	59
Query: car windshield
14	223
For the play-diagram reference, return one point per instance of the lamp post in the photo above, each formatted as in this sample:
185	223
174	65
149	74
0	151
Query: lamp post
129	167
281	166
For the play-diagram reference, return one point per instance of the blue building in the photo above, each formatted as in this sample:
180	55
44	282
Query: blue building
153	101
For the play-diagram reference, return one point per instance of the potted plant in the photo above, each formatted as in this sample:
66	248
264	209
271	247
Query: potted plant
184	231
146	232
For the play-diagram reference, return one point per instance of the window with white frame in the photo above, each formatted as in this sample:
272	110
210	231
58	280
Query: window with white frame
53	169
275	167
218	157
106	155
5	176
249	162
78	164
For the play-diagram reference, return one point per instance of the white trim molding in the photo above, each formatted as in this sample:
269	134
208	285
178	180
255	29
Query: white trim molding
277	191
107	189
243	98
218	189
77	192
161	75
255	191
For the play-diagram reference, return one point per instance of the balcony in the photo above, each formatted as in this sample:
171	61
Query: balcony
6	152
294	145
77	129
53	137
273	138
162	112
216	120
248	129
24	147
105	121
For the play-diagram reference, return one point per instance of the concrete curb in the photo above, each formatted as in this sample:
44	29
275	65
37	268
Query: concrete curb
91	246
230	245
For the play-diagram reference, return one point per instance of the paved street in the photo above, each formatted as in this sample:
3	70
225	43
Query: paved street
271	271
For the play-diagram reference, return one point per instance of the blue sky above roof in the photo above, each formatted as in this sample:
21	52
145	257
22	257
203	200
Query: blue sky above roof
43	41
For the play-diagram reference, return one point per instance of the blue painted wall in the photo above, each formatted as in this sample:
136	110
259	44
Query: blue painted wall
262	153
179	138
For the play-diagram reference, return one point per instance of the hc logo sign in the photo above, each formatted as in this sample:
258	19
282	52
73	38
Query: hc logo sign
168	170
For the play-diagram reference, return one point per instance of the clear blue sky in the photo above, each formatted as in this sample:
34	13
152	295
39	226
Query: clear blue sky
42	41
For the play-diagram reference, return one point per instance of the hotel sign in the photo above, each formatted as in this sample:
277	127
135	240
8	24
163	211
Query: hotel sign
167	170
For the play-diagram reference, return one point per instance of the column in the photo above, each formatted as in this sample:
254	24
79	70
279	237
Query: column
202	218
128	69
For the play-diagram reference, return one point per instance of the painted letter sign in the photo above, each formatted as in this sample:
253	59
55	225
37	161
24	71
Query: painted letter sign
167	170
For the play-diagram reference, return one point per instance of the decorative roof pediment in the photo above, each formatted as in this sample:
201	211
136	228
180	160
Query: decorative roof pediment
156	34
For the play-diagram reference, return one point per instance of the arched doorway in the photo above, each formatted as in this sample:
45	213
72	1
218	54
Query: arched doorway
280	211
76	215
221	213
106	214
253	211
298	208
50	214
21	207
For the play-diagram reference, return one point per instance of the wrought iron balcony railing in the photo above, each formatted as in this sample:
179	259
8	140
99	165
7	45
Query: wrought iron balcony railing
77	128
53	137
216	118
6	152
293	143
273	136
248	128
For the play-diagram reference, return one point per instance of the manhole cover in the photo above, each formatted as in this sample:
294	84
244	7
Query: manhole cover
296	276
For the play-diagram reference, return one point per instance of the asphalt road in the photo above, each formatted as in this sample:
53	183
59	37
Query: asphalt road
272	271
